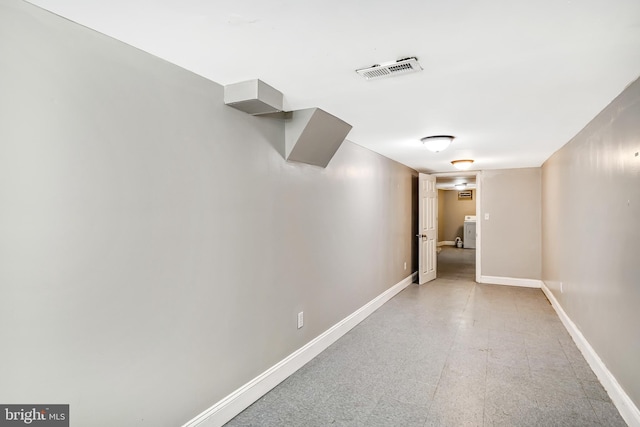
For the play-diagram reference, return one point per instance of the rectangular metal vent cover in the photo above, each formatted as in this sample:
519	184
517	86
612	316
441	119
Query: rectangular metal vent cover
401	66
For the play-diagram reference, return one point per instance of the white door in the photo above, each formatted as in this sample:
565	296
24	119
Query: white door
428	228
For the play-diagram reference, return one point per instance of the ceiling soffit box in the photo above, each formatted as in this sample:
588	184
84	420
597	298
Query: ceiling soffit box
254	97
313	136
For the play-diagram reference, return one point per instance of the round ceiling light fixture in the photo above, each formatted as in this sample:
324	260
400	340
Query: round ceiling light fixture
462	164
461	186
437	143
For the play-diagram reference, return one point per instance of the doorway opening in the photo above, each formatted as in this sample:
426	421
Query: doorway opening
458	225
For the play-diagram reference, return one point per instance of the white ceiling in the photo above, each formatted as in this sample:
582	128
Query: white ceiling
512	80
448	182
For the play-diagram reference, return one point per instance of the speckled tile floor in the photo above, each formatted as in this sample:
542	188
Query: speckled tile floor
447	353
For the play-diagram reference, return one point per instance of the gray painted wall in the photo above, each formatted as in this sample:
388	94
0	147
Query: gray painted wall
154	245
591	234
511	242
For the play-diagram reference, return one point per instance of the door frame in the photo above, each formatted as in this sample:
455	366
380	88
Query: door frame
478	191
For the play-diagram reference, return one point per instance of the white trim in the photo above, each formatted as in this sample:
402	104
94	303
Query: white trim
478	190
623	402
447	243
510	281
459	173
236	402
479	184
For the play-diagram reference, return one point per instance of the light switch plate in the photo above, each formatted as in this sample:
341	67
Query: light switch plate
300	319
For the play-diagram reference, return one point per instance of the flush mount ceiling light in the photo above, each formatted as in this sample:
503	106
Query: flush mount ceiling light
462	164
437	143
461	186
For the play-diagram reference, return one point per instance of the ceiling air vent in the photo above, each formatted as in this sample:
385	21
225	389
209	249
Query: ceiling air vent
401	66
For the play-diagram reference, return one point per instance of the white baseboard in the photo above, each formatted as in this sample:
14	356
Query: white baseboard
623	402
446	243
239	400
510	281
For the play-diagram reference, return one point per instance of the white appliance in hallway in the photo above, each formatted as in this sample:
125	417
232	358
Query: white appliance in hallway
469	232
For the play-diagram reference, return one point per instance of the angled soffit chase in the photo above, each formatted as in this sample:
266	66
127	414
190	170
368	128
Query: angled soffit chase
312	135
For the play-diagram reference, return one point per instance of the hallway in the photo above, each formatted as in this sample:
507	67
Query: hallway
447	353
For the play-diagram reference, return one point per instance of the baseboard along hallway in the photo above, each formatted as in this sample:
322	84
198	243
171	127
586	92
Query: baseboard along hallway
448	353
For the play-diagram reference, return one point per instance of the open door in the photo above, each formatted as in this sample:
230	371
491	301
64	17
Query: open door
427	227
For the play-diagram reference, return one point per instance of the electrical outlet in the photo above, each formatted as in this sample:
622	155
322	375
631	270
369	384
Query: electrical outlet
300	319
561	287
405	265
486	217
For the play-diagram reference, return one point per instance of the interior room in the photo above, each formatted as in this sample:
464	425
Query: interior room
232	212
